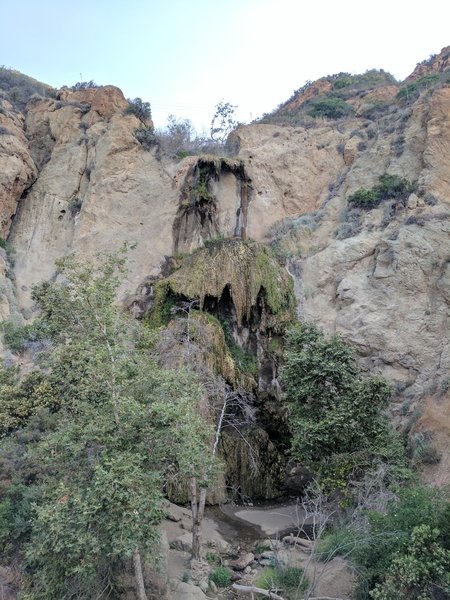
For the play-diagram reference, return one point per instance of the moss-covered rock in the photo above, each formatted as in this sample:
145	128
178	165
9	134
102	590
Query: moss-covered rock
246	270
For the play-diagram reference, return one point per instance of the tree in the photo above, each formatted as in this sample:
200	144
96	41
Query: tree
335	414
123	423
223	122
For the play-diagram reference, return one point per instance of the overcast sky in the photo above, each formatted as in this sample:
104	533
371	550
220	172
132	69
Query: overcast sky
184	56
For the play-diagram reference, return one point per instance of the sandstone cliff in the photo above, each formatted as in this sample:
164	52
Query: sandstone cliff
74	178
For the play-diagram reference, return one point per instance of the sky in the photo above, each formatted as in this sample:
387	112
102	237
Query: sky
185	56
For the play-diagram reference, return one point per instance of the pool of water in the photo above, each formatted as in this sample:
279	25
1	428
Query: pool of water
247	524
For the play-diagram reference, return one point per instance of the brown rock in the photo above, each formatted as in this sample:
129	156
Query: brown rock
242	562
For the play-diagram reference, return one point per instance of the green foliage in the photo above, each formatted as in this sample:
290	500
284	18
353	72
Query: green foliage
139	109
411	91
84	85
422	449
334	413
390	187
370	79
212	558
165	301
17	337
223	122
331	107
123	425
146	137
364	198
19	88
394	552
221	576
16	512
244	361
20	400
5	244
418	574
340	539
79	530
75	206
390	534
291	580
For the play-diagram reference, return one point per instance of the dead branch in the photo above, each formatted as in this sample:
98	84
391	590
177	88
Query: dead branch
251	589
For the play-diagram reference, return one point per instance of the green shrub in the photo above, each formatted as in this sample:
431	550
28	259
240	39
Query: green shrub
389	187
422	449
212	558
331	107
19	401
290	579
139	109
421	572
146	137
221	576
364	198
390	534
6	245
340	539
19	88
75	206
16	337
412	90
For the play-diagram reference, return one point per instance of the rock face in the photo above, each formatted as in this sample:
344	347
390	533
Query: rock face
17	168
74	178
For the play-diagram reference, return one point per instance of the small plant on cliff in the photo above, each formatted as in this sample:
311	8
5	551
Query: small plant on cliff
331	107
221	576
139	109
389	187
146	137
84	85
411	91
75	206
223	121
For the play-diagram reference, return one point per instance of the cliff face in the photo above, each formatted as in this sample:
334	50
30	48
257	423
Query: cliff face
74	178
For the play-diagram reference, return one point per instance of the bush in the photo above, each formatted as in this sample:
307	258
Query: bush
420	572
16	337
146	137
84	85
382	545
221	576
19	88
139	109
388	187
390	534
412	90
364	198
331	107
290	579
19	401
75	206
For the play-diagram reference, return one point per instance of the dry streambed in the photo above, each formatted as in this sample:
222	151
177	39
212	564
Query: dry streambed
247	541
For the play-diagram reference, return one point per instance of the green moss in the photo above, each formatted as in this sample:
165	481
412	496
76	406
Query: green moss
244	361
196	191
247	268
164	302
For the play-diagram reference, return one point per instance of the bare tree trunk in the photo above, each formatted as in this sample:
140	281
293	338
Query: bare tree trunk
198	509
138	576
